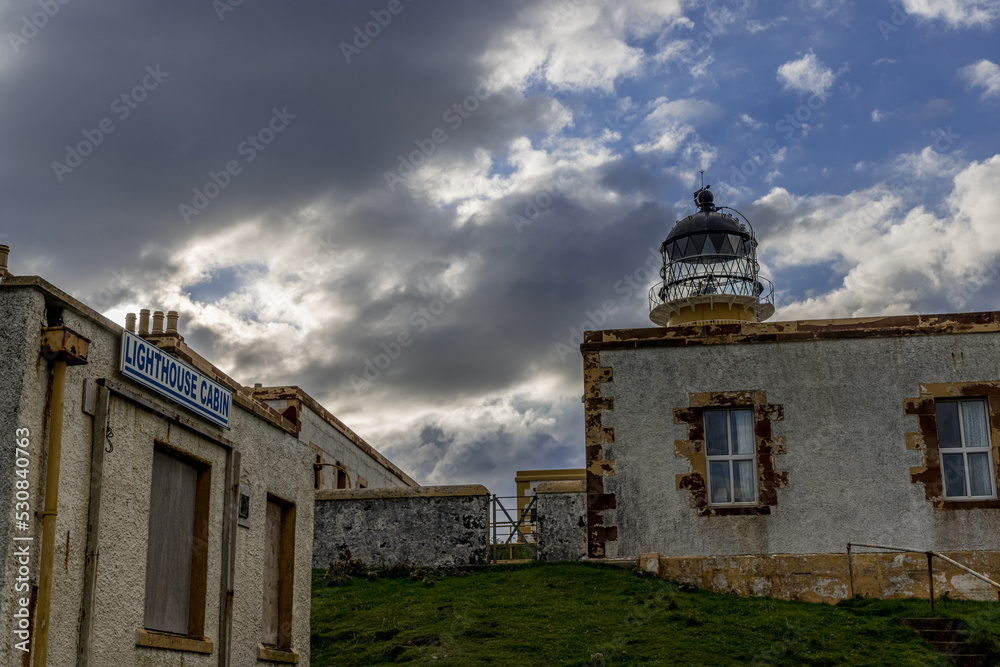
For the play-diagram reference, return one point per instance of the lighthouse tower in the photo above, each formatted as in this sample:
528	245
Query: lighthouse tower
710	271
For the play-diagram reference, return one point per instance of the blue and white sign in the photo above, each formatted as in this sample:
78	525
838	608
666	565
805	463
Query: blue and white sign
152	367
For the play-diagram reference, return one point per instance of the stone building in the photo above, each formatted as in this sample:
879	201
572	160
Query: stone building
744	456
160	513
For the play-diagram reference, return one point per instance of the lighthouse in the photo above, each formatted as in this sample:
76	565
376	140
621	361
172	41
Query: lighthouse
710	271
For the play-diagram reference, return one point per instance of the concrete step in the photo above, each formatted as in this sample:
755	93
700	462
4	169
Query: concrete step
969	660
933	636
931	623
951	648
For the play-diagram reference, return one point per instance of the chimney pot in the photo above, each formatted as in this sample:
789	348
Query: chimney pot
172	321
4	252
158	322
130	322
144	321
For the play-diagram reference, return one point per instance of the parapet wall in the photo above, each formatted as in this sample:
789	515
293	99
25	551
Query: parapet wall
561	520
427	526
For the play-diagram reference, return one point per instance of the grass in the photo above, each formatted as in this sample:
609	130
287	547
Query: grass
591	614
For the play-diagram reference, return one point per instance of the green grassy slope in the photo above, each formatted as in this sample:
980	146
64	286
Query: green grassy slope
588	614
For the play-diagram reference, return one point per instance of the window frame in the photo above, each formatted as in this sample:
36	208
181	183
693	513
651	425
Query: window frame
768	478
964	449
924	439
730	458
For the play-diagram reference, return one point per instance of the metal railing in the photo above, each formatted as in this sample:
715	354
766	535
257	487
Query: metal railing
510	534
930	566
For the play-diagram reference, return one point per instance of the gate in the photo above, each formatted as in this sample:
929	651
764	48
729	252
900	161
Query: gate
512	539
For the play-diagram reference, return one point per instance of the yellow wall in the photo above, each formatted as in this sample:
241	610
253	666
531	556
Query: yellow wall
827	578
704	312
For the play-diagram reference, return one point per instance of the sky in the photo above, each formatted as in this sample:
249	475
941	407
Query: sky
412	209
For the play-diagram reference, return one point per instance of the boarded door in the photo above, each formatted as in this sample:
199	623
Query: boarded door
171	544
272	575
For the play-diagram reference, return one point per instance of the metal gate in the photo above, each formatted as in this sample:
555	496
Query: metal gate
512	539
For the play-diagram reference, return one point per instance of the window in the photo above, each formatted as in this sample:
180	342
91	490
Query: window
964	445
343	481
177	550
279	568
958	439
730	452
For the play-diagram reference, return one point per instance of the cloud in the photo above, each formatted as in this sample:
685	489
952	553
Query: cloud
578	45
807	75
670	127
983	74
893	259
956	13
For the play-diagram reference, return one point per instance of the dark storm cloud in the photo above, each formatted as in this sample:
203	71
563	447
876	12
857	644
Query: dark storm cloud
220	83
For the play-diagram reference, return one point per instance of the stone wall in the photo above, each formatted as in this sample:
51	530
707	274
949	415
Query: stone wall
428	526
561	524
831	577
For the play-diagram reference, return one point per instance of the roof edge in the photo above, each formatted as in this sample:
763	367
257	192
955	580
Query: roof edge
793	330
295	392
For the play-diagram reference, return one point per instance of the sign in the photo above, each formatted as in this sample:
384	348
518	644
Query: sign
152	367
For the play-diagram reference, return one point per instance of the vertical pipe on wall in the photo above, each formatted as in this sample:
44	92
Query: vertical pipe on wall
850	569
930	577
41	643
93	526
230	509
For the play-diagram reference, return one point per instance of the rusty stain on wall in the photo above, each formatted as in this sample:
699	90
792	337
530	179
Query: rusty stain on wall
771	332
598	465
769	480
925	440
826	578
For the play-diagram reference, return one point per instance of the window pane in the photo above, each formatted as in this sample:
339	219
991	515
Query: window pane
953	469
719	471
743	482
974	421
947	424
716	434
743	440
979	474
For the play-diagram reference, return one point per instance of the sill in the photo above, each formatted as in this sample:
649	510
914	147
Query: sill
735	510
154	639
968	503
272	654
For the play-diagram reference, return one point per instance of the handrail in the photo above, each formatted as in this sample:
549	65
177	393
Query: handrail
930	566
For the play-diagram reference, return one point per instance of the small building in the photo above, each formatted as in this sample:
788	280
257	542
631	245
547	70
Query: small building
161	512
744	456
